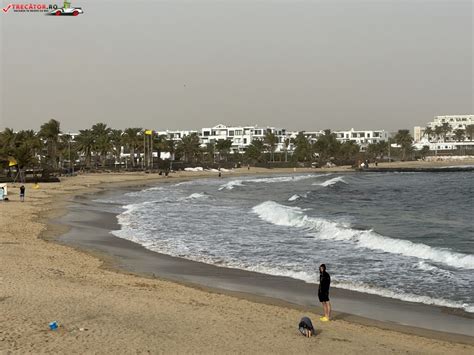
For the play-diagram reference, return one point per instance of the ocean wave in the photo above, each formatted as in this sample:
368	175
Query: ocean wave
332	181
296	197
268	180
281	215
427	267
231	184
359	287
144	191
195	196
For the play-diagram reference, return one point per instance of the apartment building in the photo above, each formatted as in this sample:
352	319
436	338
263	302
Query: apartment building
241	136
455	122
362	137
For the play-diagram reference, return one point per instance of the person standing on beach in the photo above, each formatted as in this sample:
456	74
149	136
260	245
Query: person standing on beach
323	292
22	193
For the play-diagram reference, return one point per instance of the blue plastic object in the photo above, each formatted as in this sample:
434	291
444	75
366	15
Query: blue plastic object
53	325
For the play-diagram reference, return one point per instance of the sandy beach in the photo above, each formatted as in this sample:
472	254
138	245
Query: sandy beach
101	309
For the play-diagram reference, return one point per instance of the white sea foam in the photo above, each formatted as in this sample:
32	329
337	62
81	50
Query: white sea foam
195	196
281	215
296	197
269	180
422	265
332	181
231	184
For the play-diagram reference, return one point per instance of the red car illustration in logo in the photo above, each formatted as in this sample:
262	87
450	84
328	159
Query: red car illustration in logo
70	11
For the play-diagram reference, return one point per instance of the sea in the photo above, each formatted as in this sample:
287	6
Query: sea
408	236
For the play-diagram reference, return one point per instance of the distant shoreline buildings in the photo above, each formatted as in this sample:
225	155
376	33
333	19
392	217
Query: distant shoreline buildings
449	132
443	133
243	136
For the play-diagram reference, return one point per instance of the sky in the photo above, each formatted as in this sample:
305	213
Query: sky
300	65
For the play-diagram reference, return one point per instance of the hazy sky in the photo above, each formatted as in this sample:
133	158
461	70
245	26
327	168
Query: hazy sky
190	64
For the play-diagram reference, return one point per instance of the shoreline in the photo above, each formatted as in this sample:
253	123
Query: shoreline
387	313
79	289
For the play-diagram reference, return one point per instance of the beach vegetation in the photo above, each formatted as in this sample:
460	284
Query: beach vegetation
404	140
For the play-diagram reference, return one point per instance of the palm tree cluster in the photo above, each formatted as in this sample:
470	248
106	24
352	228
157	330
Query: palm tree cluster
50	149
325	148
443	130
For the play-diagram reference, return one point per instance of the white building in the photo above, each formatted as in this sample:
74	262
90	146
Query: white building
362	137
175	135
440	146
241	136
455	122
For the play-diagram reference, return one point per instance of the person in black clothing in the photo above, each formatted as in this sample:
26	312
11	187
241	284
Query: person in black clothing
22	193
323	292
306	327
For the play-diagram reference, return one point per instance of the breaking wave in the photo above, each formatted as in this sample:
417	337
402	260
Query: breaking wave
268	180
296	197
332	181
320	228
195	196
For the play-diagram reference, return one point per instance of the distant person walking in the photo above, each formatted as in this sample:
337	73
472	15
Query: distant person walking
323	292
22	193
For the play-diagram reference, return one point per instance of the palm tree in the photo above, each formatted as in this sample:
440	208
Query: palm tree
445	129
132	140
255	150
303	149
428	132
7	142
327	146
85	143
50	132
438	131
405	141
211	151
102	142
26	145
349	150
459	135
189	146
470	131
223	147
271	140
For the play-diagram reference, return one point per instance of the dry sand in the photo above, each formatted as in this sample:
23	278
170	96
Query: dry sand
104	311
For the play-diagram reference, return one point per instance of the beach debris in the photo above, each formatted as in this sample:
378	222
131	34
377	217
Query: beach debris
83	329
53	325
